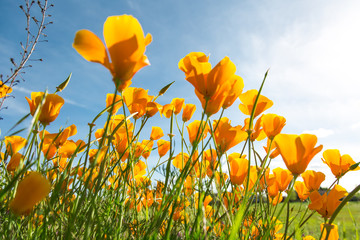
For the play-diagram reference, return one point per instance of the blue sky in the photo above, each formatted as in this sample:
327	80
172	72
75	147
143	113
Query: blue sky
311	47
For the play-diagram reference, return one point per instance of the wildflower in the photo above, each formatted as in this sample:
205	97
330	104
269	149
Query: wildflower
156	133
14	144
237	85
209	156
60	163
163	147
221	178
248	100
195	132
214	104
274	152
178	104
125	43
144	148
52	142
140	168
14	162
31	190
189	185
227	136
4	90
277	199
117	123
136	100
212	86
97	158
188	111
308	238
252	178
258	132
70	147
273	187
110	101
297	150
338	164
301	190
152	108
283	178
331	231
238	170
272	124
167	110
313	179
59	139
180	160
121	144
49	110
326	204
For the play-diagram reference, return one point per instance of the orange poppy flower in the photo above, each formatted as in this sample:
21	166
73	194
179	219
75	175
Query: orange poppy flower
178	104
277	199
152	108
272	124
227	136
121	144
167	110
14	144
156	133
313	179
308	237
274	152
136	99
214	104
140	168
114	123
4	90
213	86
338	164
257	133
273	187
195	61
253	177
163	147
283	178
117	102
49	110
209	157
238	170
301	190
188	111
144	148
97	158
31	190
326	204
68	149
332	228
189	185
237	85
248	100
59	139
180	160
194	131
297	150
14	162
125	43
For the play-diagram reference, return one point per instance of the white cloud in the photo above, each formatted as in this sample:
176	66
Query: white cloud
321	132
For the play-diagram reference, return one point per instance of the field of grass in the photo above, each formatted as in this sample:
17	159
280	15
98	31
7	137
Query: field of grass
347	224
